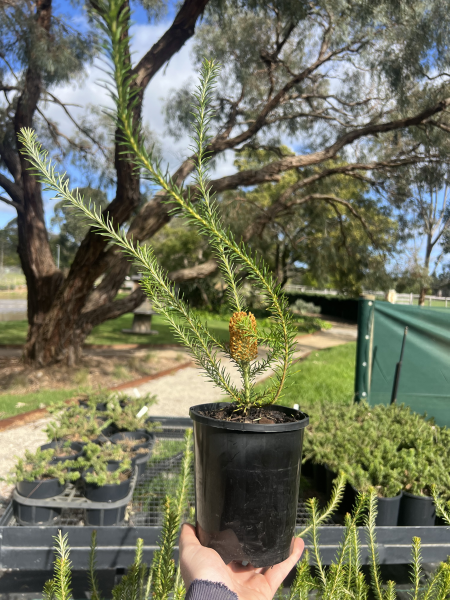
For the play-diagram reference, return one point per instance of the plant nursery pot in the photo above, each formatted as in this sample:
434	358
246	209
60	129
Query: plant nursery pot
388	511
416	511
78	448
141	463
105	517
111	492
247	480
39	490
320	477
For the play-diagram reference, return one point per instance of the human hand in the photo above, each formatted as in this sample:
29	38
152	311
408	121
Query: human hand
249	583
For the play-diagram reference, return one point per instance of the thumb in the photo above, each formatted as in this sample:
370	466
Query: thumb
277	574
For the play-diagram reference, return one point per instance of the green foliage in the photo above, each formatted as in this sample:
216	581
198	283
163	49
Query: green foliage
76	424
71	229
344	578
59	588
387	448
94	464
38	465
199	208
122	411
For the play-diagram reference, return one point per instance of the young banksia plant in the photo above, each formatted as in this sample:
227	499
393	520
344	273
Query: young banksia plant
197	203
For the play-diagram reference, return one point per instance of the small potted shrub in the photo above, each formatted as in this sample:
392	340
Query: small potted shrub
248	452
64	450
419	474
37	476
106	474
386	482
138	443
130	414
78	425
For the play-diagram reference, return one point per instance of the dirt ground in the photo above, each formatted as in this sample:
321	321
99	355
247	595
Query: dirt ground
99	368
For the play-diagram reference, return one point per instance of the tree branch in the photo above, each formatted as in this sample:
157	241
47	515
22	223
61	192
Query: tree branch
272	171
179	32
12	189
198	272
18	207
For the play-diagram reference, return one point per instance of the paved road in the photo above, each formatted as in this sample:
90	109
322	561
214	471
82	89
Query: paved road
13	305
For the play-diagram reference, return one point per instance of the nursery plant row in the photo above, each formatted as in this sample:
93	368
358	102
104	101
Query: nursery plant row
401	454
96	452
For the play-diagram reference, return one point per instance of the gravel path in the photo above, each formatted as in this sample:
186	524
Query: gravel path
13	443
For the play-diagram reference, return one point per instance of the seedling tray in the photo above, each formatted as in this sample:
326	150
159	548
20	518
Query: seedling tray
72	497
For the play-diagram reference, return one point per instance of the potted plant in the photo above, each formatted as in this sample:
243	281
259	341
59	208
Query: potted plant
419	474
37	476
107	476
130	414
248	452
64	450
79	425
138	443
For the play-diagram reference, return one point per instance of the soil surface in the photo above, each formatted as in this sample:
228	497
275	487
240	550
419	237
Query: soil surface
258	416
98	369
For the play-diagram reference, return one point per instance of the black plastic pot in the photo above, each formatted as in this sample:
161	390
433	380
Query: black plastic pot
247	480
39	490
416	511
54	445
388	511
111	492
105	517
141	463
320	477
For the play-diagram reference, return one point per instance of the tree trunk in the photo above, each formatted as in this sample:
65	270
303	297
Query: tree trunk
62	313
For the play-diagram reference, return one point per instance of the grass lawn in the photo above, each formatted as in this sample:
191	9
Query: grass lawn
110	332
9	402
324	375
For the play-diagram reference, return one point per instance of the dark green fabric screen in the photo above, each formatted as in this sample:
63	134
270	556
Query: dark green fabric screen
425	376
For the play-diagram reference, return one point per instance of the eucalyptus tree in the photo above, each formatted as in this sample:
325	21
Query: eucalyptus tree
346	81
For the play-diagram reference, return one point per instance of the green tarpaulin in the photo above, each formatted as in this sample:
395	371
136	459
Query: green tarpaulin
425	375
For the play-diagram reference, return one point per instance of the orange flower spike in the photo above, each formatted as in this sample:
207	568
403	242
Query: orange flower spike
243	347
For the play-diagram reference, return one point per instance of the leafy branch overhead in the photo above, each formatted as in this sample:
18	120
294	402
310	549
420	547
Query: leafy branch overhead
200	208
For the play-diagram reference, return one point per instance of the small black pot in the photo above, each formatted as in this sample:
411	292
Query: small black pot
111	492
320	478
141	463
39	490
54	445
416	511
100	517
388	511
247	480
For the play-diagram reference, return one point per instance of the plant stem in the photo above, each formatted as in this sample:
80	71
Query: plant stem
246	382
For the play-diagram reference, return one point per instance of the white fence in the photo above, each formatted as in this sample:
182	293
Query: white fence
436	301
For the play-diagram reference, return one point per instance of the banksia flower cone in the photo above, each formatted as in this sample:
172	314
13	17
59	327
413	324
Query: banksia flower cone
243	346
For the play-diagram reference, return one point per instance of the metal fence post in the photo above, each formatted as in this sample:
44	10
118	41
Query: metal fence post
365	332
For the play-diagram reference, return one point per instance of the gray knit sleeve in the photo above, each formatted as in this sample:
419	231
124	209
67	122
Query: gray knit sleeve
201	589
